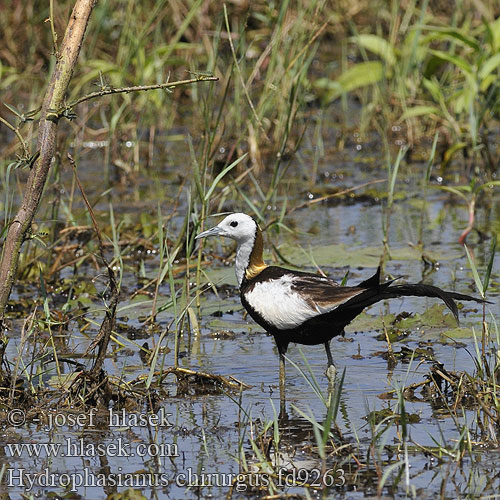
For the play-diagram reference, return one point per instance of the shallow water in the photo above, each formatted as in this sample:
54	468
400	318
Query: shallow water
201	433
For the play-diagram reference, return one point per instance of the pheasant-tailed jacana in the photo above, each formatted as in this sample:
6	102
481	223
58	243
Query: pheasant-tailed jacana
302	307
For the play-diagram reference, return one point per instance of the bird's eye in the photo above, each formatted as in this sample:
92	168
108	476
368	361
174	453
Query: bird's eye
234	223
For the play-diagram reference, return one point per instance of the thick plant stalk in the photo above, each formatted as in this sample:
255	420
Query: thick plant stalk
46	147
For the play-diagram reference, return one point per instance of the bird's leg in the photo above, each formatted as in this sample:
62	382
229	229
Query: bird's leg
331	371
282	350
282	380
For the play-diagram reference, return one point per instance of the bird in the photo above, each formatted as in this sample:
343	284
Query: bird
304	307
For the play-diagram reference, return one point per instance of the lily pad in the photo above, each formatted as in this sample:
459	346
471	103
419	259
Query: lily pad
375	417
221	275
368	322
437	316
219	308
458	333
224	325
342	255
137	307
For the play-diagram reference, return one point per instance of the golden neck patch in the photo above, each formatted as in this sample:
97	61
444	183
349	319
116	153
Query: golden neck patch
256	265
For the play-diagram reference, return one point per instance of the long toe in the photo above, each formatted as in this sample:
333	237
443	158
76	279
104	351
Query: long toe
331	373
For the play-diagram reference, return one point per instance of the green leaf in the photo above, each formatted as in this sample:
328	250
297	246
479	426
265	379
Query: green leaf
390	469
13	110
477	279
490	185
457	61
433	88
486	82
393	171
448	154
222	174
344	279
490	65
495	31
419	111
456	35
377	45
359	75
453	190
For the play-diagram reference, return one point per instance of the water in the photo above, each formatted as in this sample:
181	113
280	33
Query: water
194	452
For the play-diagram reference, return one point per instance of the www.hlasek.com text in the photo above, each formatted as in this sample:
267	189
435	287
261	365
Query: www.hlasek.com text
72	447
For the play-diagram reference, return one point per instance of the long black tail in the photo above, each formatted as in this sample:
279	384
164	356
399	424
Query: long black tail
376	292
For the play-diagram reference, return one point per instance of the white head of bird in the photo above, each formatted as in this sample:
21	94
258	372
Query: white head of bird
246	232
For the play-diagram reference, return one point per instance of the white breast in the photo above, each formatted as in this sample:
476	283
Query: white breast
281	306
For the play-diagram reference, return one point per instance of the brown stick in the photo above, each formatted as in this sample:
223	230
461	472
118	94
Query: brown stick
53	100
138	88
